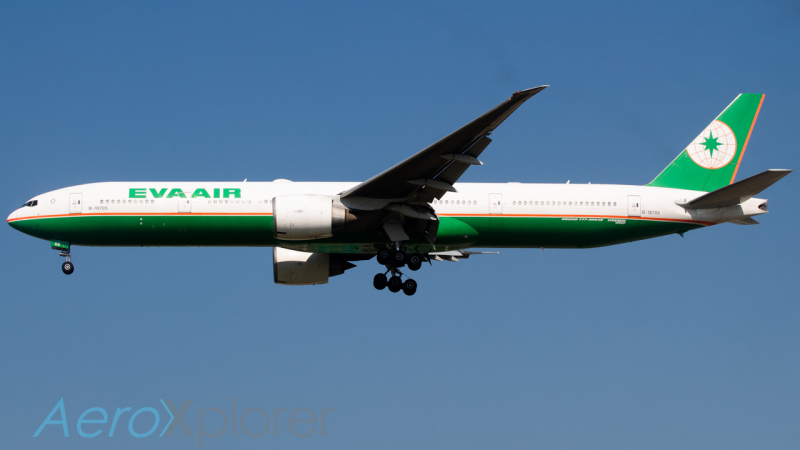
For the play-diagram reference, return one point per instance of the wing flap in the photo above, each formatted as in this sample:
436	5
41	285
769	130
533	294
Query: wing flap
453	172
456	255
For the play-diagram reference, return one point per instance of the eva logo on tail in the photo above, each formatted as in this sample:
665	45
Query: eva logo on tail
714	148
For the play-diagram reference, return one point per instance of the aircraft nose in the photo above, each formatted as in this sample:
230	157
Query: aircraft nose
11	217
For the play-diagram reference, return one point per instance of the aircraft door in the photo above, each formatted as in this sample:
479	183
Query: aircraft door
75	203
184	205
634	206
496	203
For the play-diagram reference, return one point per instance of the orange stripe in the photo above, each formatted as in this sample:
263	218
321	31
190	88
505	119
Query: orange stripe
138	214
748	138
664	219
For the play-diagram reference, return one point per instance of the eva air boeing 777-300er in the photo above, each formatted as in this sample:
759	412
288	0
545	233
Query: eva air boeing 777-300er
413	212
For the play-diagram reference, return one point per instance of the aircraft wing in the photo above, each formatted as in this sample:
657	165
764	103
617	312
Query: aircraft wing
432	172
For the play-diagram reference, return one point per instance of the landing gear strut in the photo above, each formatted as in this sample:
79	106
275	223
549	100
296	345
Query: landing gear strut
67	267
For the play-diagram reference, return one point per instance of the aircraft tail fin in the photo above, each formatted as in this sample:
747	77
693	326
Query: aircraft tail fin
712	159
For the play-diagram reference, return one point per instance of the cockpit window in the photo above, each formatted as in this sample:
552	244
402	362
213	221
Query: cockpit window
31	203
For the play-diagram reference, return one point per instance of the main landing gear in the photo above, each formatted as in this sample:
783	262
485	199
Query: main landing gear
394	260
67	267
388	257
395	283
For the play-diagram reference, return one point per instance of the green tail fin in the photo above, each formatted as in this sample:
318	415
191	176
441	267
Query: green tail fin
711	160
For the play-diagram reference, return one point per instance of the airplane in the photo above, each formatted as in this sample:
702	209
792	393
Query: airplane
413	212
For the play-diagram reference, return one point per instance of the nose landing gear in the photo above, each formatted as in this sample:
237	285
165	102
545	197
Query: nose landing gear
67	267
63	248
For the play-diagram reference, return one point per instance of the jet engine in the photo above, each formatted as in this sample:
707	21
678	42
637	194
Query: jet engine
301	217
295	268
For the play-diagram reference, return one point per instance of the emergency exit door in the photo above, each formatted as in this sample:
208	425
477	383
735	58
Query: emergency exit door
634	206
75	203
496	203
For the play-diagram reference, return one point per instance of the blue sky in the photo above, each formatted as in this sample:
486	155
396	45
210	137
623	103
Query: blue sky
675	342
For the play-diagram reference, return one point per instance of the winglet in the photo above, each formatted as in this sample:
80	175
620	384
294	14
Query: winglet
537	89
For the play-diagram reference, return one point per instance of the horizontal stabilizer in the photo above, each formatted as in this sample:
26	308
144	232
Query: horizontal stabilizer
737	193
746	221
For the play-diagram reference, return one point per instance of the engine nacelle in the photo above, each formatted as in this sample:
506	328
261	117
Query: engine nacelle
295	268
301	217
